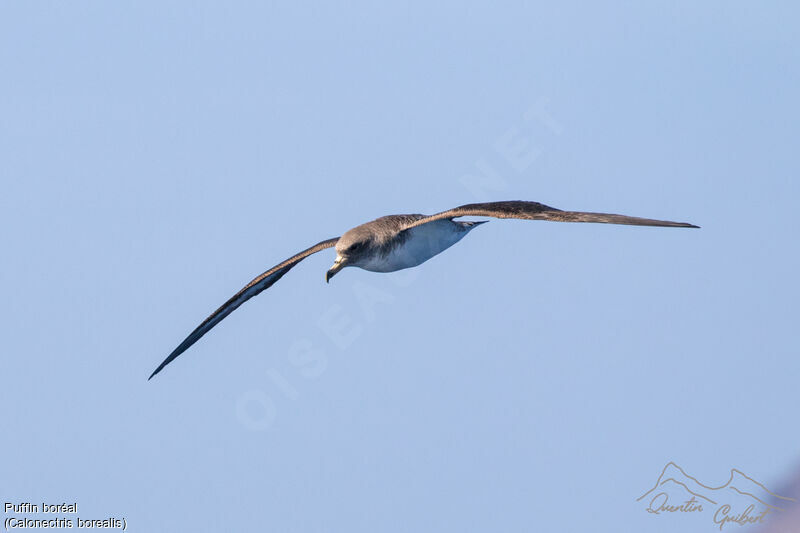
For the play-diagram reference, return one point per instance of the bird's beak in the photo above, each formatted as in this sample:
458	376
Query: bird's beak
337	266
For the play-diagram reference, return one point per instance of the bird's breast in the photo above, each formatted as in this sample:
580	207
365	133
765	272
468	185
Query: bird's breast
415	246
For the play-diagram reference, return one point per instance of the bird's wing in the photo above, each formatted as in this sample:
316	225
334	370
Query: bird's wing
537	211
262	282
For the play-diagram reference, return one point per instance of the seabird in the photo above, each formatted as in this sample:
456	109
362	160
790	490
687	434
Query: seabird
396	242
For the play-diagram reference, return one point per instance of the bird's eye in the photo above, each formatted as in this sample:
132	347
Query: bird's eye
355	247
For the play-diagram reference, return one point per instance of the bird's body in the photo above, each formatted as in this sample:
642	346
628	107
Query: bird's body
396	242
395	246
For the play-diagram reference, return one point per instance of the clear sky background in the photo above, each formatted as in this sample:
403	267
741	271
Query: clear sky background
155	156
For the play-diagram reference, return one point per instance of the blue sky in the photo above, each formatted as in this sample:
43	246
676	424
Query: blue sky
158	155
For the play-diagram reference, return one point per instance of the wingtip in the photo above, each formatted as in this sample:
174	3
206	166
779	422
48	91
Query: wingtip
156	371
683	225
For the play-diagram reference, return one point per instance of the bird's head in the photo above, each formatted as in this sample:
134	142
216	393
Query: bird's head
350	250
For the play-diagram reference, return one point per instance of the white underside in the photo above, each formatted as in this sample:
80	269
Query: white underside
423	243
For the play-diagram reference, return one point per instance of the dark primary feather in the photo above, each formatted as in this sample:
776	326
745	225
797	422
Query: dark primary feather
262	282
536	211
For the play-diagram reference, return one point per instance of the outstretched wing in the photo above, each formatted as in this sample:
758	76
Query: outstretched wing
537	211
262	282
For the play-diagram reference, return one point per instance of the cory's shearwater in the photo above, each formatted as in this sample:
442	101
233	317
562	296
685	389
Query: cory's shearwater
396	242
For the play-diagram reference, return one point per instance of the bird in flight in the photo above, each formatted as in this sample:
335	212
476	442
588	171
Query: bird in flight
396	242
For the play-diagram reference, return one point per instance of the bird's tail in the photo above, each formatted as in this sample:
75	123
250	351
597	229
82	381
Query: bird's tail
470	224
